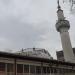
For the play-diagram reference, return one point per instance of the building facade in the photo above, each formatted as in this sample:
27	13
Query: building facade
15	64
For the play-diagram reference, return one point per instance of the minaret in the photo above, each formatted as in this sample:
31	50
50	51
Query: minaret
63	26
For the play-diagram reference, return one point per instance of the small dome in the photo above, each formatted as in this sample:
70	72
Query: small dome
35	52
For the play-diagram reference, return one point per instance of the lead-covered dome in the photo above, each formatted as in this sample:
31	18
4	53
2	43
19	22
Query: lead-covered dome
35	52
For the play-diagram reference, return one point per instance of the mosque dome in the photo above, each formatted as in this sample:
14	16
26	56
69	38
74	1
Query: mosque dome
35	52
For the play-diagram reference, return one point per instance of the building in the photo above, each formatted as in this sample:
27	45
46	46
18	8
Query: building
60	55
17	64
39	61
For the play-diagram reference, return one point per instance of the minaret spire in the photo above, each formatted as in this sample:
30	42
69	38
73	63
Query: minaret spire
60	12
58	4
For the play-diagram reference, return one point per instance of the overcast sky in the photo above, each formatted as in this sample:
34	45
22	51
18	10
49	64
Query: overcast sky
31	23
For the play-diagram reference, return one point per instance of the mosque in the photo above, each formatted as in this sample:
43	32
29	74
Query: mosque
35	61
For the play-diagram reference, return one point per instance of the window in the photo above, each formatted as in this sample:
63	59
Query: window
48	70
38	69
51	70
26	68
10	67
55	70
44	70
19	68
2	66
32	69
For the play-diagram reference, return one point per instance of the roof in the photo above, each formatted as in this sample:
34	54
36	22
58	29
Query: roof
17	56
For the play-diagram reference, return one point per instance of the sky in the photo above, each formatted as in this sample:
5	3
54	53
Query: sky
31	23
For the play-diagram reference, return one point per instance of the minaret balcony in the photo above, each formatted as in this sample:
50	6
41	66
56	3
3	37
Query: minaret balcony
62	24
